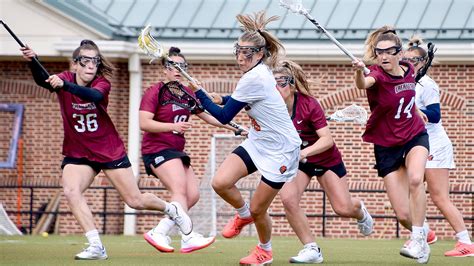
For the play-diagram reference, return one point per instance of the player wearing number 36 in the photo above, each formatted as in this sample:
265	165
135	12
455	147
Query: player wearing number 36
398	133
91	143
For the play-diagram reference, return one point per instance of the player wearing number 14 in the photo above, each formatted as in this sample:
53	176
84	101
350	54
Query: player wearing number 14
398	133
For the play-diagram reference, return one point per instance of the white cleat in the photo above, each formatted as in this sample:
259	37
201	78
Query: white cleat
181	218
92	253
158	241
366	227
417	249
195	242
308	255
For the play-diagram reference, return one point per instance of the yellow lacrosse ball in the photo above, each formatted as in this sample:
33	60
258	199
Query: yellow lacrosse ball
45	234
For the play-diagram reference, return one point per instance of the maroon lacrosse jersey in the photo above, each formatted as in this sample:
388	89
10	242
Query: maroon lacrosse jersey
169	113
88	130
308	116
393	120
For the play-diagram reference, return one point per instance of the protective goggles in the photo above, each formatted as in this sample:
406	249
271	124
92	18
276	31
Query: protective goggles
170	65
84	60
283	81
247	51
414	60
394	50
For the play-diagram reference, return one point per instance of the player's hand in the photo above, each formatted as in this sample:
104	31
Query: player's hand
181	127
358	64
55	81
303	155
195	85
27	52
216	98
423	115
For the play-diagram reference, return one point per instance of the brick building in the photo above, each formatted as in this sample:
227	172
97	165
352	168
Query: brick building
205	34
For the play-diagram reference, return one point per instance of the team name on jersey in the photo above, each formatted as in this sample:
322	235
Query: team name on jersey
83	106
405	87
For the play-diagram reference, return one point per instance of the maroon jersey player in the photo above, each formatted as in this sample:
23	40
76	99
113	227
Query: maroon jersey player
164	157
91	142
397	132
321	159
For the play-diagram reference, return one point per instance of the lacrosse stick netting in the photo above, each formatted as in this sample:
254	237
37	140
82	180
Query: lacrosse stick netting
155	50
353	113
296	6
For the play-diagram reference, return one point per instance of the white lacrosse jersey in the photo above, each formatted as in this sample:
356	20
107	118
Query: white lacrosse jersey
427	92
272	143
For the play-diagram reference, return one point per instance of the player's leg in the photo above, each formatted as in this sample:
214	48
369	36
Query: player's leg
290	196
172	175
236	165
438	186
396	184
415	162
76	178
264	194
344	205
193	241
124	181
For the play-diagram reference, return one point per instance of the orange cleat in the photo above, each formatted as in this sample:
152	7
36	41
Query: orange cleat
461	250
258	256
235	225
431	238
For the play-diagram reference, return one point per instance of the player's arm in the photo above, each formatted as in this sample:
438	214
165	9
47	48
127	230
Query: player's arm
37	71
324	143
148	124
213	121
223	114
85	93
361	81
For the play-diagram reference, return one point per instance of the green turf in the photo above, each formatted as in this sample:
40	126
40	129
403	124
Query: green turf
122	250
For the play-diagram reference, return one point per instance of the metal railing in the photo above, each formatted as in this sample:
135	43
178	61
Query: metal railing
105	213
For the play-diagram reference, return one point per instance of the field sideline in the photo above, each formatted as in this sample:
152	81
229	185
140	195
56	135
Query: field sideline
123	250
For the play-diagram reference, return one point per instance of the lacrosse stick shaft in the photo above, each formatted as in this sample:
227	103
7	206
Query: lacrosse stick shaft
336	42
23	45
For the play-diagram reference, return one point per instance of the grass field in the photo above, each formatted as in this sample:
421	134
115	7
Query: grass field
123	250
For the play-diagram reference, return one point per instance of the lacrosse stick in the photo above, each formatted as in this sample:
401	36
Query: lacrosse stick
353	113
156	51
35	60
296	6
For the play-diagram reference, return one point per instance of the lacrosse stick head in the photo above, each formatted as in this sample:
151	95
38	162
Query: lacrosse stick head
149	45
295	6
353	112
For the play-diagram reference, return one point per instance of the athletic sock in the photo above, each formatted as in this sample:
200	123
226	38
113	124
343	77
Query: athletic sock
244	211
310	245
463	237
164	226
416	231
93	238
267	246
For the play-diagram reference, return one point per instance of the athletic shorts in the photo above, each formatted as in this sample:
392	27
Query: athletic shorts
312	169
251	168
441	157
389	159
124	162
157	159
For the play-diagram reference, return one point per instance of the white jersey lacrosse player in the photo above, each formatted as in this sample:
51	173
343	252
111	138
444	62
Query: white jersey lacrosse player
441	148
273	143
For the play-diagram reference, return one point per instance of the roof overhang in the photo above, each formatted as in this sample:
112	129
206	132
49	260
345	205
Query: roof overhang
221	51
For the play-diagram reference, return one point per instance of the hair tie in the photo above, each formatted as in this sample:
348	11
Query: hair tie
389	31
